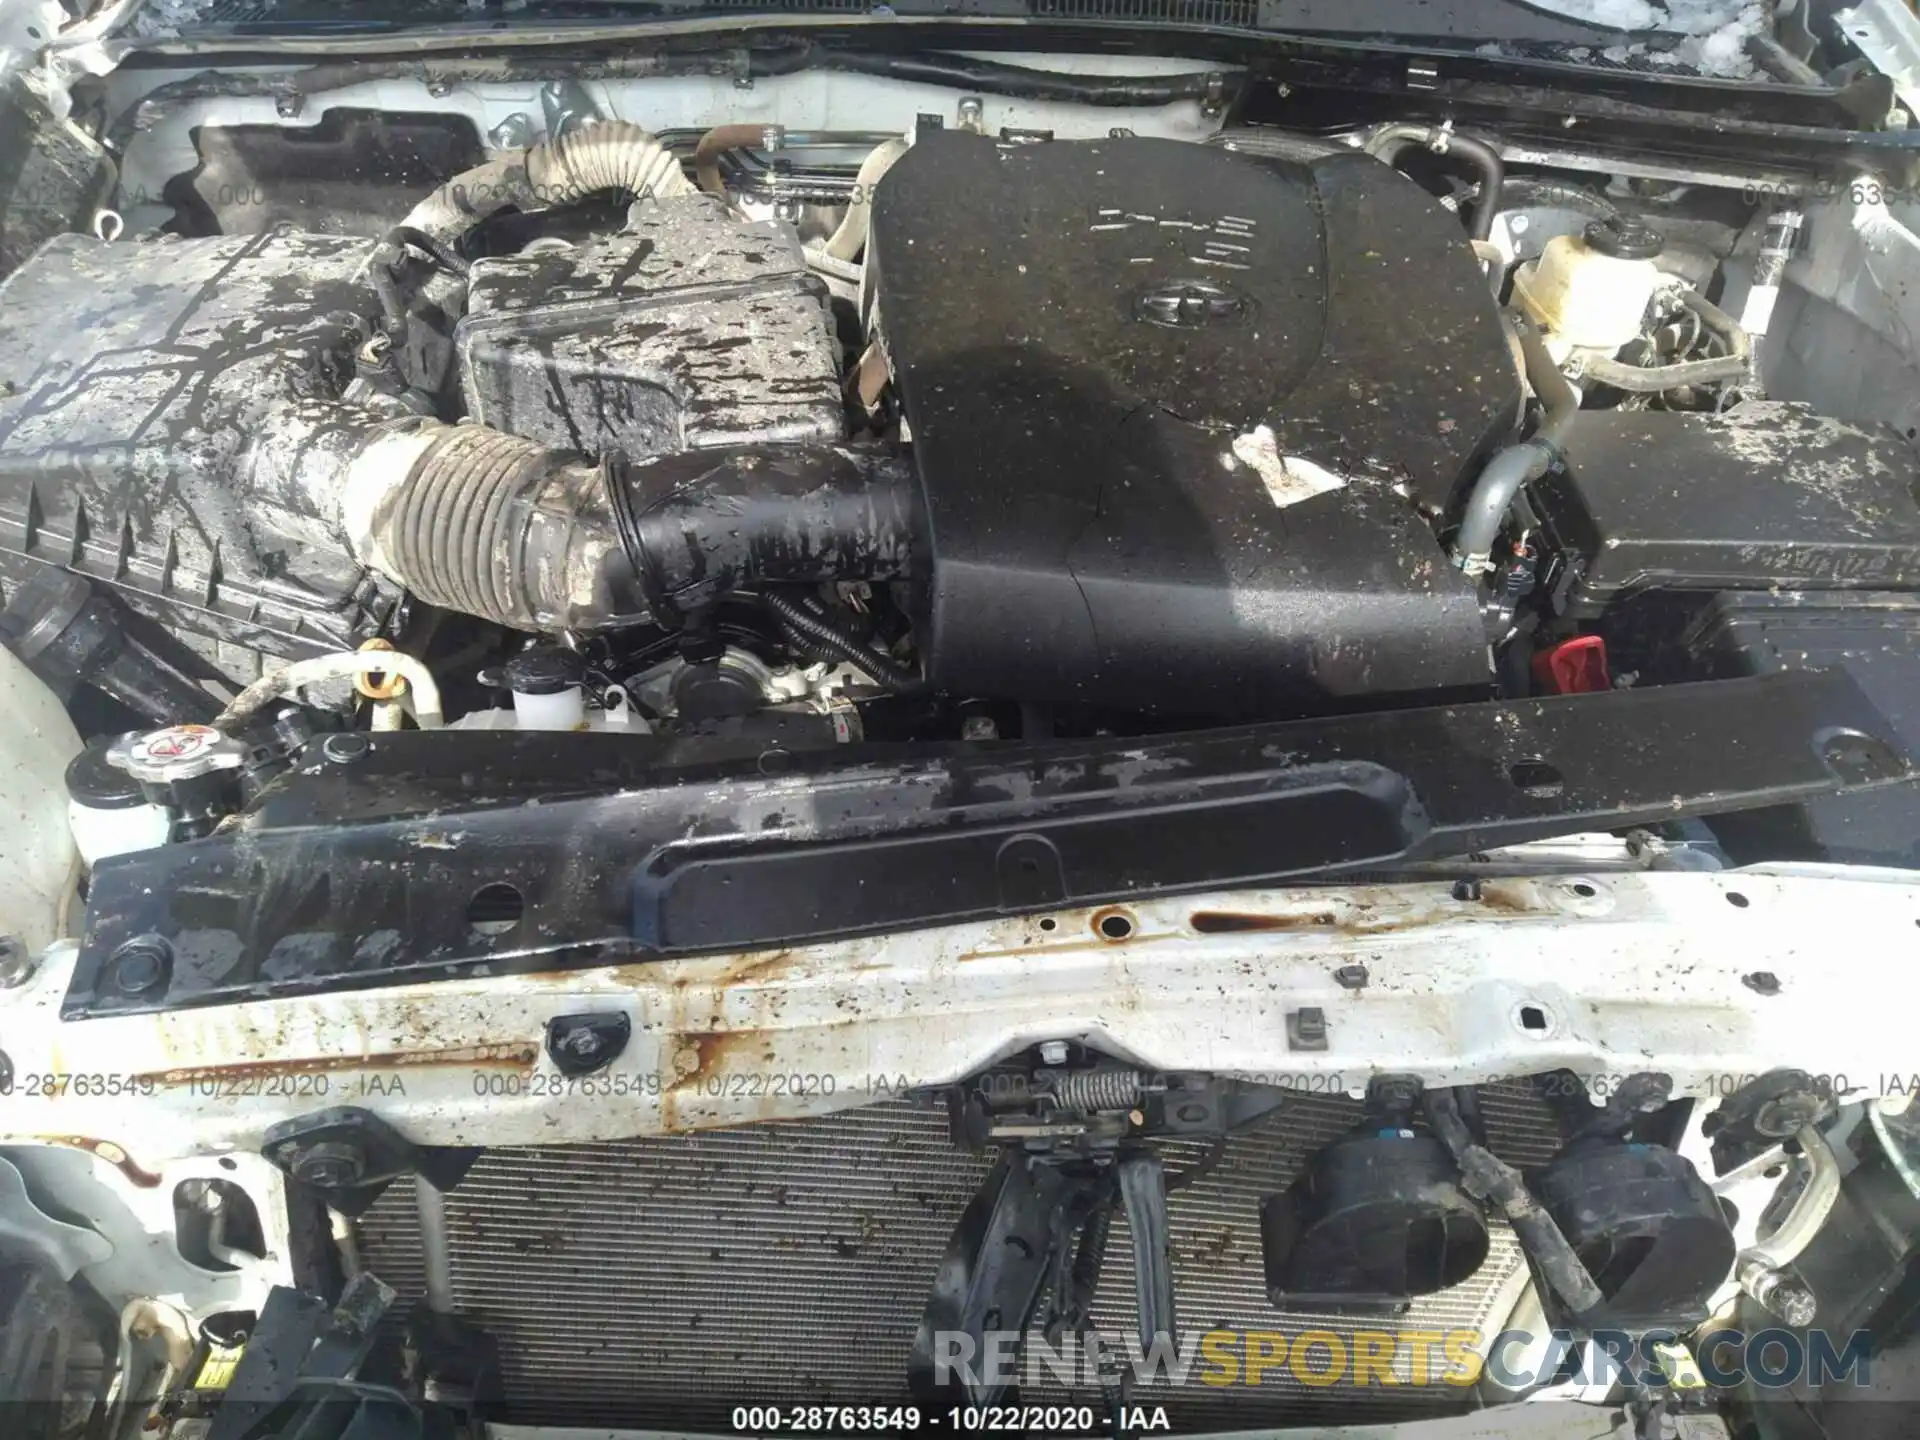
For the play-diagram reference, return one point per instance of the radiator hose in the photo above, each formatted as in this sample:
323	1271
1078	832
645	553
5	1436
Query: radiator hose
1511	469
475	520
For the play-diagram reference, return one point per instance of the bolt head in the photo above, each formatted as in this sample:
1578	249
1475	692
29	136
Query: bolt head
139	966
1787	1114
16	962
1787	1298
344	749
1053	1052
329	1165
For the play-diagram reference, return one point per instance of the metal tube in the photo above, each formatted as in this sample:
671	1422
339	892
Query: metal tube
346	1242
1762	1266
1651	379
290	678
435	1252
717	142
1809	1212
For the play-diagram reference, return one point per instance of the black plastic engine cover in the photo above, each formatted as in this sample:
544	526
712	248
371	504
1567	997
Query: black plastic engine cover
1172	407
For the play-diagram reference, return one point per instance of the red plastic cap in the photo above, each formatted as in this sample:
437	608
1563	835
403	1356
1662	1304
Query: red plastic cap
1573	667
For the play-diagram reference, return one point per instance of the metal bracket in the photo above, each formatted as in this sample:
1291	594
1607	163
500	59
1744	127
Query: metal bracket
352	1155
300	1339
1764	1112
349	877
1037	1230
1887	33
566	106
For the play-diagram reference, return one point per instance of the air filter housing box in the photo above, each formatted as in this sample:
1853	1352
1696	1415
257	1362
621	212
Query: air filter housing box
690	328
1175	411
160	403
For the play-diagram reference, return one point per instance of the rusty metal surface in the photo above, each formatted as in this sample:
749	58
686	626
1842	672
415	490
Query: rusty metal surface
670	1279
1629	972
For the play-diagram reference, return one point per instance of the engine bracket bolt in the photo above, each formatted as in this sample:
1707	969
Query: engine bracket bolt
1307	1028
329	1165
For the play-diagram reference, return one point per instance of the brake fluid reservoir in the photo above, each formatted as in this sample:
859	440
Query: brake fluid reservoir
1591	291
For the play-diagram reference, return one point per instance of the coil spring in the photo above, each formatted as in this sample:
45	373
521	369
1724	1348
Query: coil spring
1085	1092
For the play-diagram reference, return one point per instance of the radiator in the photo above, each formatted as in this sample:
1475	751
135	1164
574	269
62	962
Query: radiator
667	1280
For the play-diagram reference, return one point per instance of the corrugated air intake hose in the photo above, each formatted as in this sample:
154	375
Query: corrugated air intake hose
475	520
608	158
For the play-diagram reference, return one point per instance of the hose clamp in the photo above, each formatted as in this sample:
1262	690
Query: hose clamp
616	482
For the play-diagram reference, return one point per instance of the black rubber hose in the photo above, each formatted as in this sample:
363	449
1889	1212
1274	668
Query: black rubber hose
1504	477
386	289
1389	140
443	255
699	524
823	635
995	78
69	635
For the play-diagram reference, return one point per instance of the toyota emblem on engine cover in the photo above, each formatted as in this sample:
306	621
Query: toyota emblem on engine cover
1189	304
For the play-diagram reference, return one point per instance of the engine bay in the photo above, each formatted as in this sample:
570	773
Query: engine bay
672	710
1037	437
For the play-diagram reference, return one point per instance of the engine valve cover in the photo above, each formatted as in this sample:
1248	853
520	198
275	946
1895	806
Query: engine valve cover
1175	412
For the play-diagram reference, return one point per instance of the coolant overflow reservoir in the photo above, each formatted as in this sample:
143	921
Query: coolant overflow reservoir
1591	291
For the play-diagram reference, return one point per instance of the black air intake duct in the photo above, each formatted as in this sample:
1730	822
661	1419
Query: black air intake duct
493	525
